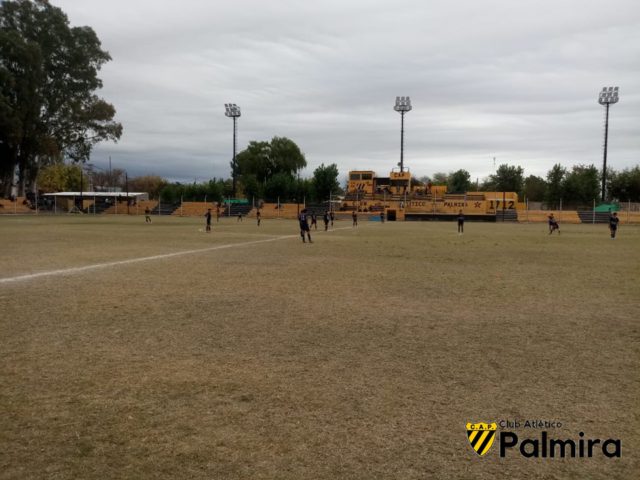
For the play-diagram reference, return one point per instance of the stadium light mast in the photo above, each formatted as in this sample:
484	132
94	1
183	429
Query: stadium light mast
233	111
403	105
608	96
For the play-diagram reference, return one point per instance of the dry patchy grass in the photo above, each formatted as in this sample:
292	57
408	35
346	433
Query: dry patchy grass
361	356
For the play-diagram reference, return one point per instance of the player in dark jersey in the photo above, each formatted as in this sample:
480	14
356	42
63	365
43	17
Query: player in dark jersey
354	216
314	220
325	218
553	224
208	217
460	222
304	225
381	216
613	224
258	216
147	215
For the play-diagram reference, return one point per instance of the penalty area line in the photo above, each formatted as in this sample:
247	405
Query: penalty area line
97	266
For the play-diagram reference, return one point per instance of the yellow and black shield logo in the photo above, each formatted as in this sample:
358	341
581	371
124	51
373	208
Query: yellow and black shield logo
481	436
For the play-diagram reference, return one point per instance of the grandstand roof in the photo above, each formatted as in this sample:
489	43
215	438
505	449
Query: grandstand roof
95	194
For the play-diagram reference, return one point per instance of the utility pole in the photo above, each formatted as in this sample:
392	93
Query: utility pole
608	96
403	105
233	111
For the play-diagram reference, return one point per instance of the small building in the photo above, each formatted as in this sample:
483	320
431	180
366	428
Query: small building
92	202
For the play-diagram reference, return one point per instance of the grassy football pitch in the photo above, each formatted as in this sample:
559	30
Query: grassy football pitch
249	355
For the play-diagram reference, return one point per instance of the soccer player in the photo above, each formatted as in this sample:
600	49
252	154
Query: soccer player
239	218
382	216
331	216
460	222
325	218
354	216
553	224
613	224
314	220
258	216
304	225
147	215
208	217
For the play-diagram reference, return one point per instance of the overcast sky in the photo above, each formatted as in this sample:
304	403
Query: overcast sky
512	79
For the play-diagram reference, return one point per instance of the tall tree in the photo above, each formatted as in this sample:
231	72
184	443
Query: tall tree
286	156
281	186
266	159
60	177
625	185
581	185
459	182
325	182
439	178
534	188
508	179
487	184
151	184
103	180
49	74
255	160
555	180
251	188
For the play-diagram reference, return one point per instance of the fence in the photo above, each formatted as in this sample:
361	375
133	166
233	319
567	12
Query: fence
628	212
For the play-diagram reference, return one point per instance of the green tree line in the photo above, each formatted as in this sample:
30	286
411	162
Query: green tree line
267	171
578	185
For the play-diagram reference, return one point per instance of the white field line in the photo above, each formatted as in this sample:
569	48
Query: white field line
96	266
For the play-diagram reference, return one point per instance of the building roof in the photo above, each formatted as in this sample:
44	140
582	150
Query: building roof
95	194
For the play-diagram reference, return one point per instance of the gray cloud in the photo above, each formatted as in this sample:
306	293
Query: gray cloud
513	80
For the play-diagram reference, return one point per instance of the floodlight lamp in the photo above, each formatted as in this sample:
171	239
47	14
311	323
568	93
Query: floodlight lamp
231	110
608	95
403	104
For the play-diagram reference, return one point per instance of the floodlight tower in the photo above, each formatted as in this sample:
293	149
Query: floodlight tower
233	111
403	105
608	96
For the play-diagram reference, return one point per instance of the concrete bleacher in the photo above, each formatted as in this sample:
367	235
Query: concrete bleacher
626	218
196	209
235	209
532	216
165	209
291	210
186	209
629	218
7	206
593	217
284	210
573	216
509	215
138	209
317	208
536	216
568	216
